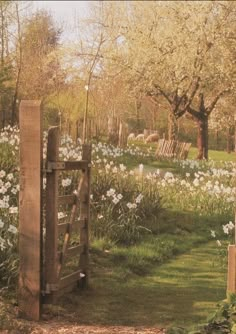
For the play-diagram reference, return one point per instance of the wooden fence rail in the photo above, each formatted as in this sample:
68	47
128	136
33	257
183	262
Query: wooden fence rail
172	149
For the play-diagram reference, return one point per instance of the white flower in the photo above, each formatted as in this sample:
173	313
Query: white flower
213	233
140	168
122	167
2	244
8	185
10	176
115	200
114	170
3	190
168	175
196	182
2	173
1	224
129	205
12	229
100	216
225	229
187	174
218	243
66	182
111	192
139	198
13	209
14	191
119	196
103	198
230	225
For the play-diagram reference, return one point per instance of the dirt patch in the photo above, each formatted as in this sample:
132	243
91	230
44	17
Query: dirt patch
64	328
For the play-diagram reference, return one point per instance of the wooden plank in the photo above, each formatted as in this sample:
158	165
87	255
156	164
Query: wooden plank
68	232
51	239
30	210
177	150
181	150
75	250
62	227
69	279
66	165
159	144
84	195
72	251
67	199
174	148
231	268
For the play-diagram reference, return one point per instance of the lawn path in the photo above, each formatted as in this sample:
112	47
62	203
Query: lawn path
181	293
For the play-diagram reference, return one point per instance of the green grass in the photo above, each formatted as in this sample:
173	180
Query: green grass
172	278
214	155
182	292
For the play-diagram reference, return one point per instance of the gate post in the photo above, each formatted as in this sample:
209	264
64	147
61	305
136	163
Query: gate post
30	229
51	259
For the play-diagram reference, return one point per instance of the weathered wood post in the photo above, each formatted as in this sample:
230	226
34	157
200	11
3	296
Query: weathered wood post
30	229
51	241
231	279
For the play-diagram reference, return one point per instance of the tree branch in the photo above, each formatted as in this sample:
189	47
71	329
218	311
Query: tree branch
210	108
194	113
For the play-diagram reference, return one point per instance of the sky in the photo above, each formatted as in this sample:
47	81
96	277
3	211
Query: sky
66	13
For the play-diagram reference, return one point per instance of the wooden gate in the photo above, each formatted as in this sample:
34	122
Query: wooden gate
46	246
58	253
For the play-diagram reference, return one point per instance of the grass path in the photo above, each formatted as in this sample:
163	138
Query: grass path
182	292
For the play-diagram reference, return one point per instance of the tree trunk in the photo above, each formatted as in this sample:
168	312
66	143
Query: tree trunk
123	134
113	131
202	138
172	127
14	117
235	134
217	138
228	141
138	107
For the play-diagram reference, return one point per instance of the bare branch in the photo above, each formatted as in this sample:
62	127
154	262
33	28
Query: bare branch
210	108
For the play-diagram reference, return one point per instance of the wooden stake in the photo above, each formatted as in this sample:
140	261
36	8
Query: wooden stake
231	269
29	294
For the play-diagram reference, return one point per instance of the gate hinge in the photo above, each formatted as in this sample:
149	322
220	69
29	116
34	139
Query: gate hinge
50	287
50	166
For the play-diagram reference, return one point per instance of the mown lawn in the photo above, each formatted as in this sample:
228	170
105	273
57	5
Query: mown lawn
181	292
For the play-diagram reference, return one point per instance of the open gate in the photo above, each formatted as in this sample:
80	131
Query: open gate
56	256
46	246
